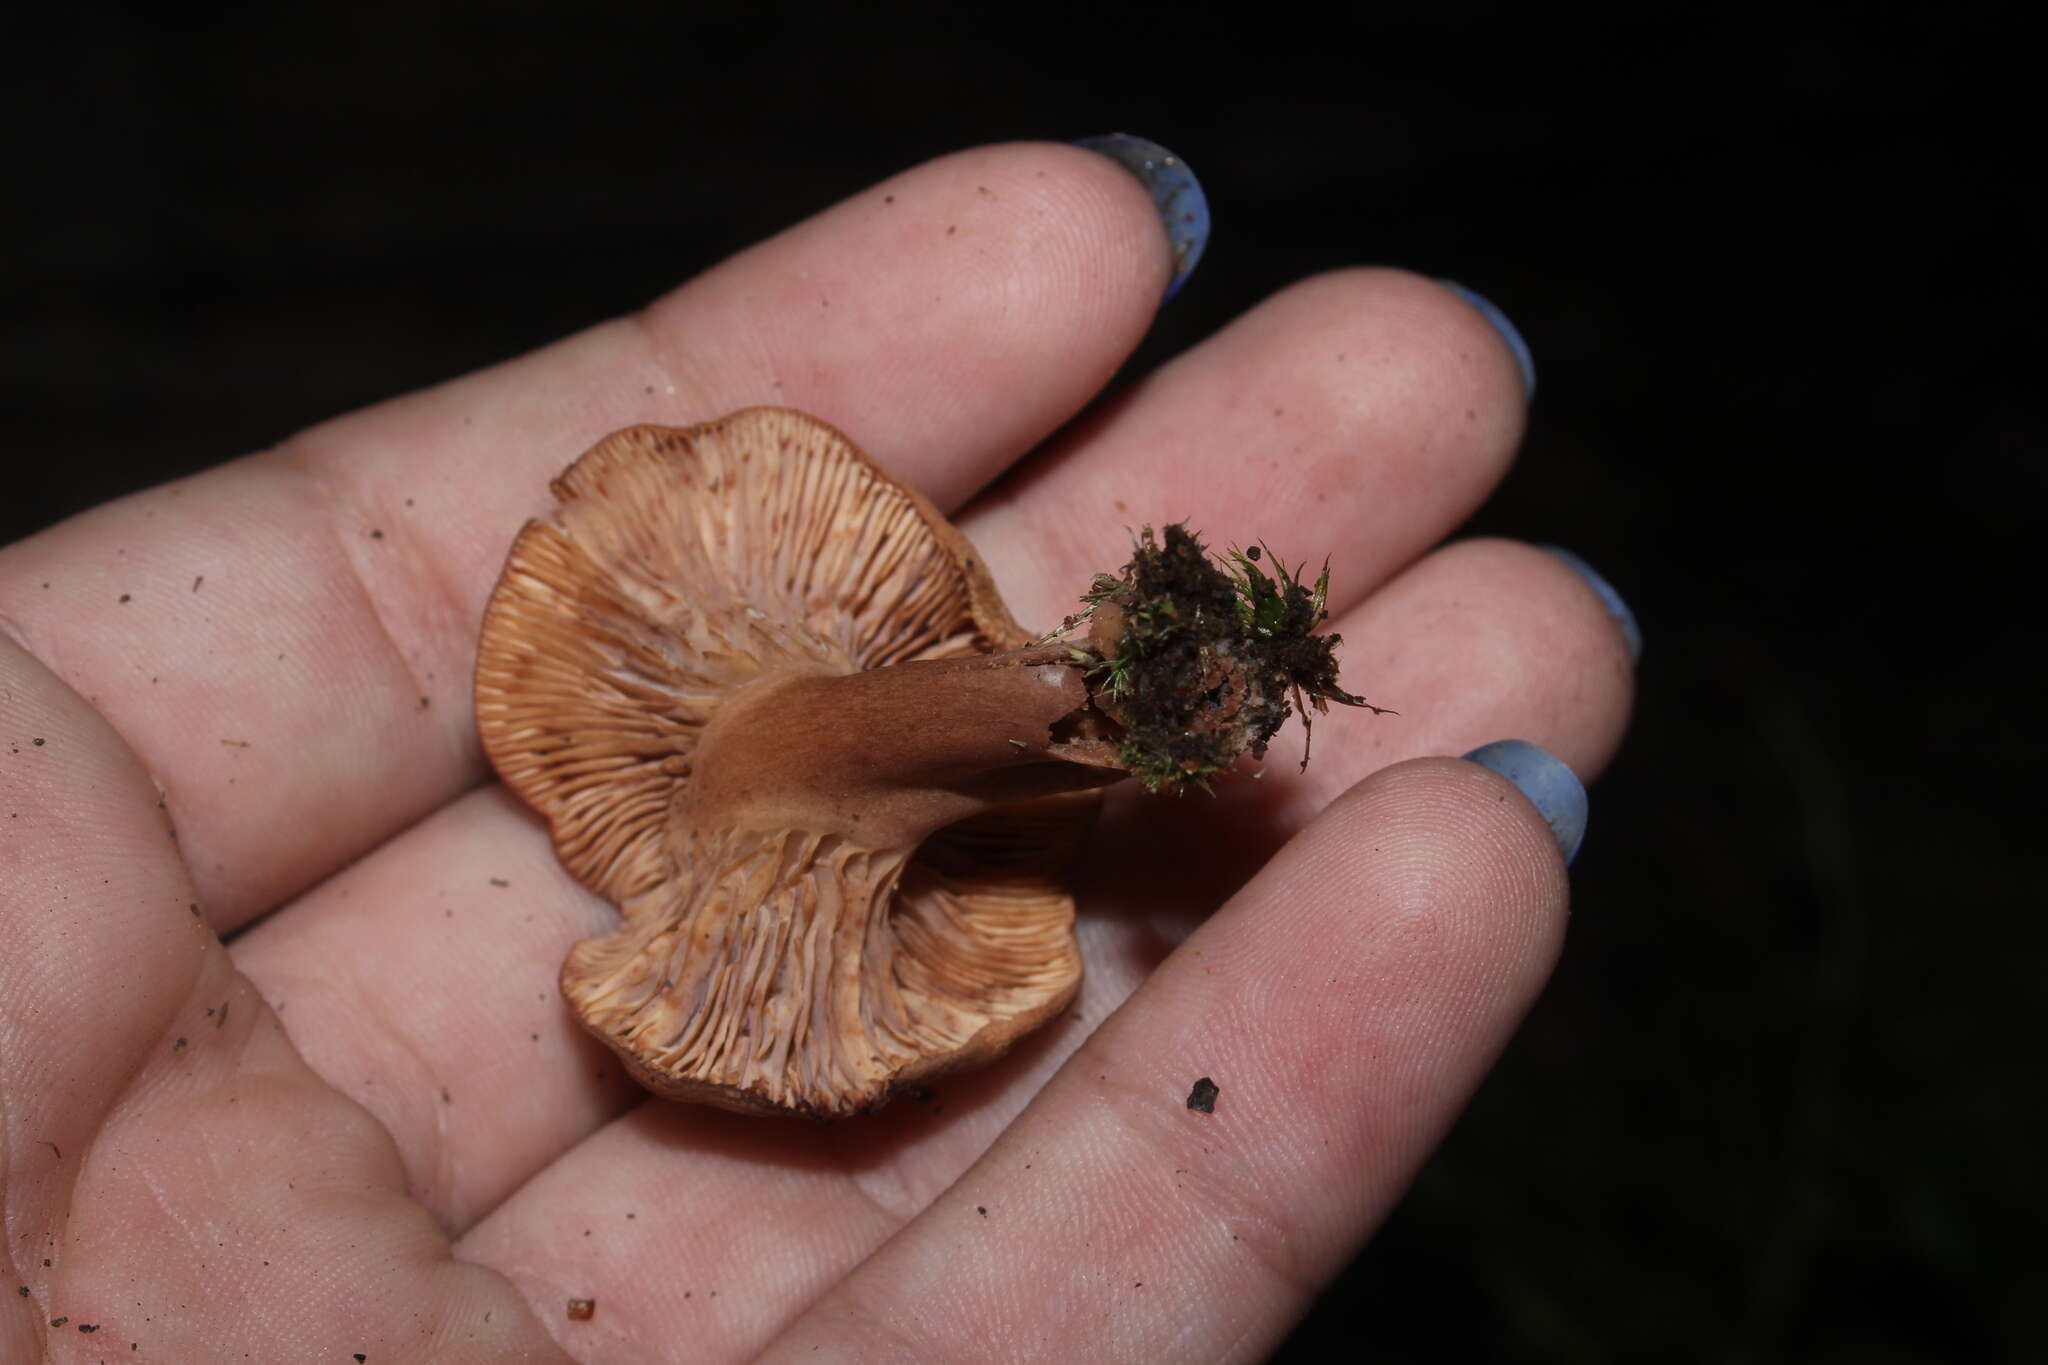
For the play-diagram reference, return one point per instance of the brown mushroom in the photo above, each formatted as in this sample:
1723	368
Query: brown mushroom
772	706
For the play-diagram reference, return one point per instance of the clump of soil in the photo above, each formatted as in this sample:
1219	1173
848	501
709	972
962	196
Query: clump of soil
1200	661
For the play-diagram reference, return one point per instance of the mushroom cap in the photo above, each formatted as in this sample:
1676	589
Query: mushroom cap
778	957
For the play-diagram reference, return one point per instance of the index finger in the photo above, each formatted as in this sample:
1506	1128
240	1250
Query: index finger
287	641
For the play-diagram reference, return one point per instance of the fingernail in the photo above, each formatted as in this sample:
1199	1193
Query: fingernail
1507	331
1551	787
1609	598
1175	193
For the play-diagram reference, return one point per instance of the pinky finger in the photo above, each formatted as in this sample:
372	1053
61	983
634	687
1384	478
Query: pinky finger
1345	1004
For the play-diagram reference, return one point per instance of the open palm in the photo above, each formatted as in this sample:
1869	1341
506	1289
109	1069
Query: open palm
365	1126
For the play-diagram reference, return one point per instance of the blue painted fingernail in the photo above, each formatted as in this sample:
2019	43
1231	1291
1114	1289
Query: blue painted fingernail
1551	787
1175	193
1507	331
1609	598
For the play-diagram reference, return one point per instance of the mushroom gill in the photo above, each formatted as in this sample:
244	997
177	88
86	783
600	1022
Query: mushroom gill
772	706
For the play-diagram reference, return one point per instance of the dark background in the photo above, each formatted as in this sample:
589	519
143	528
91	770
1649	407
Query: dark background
1781	275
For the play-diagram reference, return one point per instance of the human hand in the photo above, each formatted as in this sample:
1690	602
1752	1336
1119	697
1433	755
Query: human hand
369	1127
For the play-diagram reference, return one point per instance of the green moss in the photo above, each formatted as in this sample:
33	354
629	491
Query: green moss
1199	662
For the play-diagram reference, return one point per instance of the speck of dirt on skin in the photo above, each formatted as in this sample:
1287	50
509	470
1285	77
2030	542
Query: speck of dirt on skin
1202	1099
58	1322
88	1327
500	881
376	533
582	1310
197	581
55	1148
360	1358
888	198
39	741
24	1291
125	596
222	1018
180	1045
981	1209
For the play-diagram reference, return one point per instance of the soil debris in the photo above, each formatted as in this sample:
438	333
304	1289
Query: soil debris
1200	660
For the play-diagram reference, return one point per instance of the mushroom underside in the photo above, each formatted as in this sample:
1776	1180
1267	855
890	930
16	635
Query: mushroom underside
803	973
811	963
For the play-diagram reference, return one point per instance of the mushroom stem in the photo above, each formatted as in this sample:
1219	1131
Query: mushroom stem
886	756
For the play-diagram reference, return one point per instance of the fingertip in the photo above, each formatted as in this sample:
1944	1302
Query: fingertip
1101	191
1616	606
949	317
1549	784
1446	838
1510	335
1421	366
1176	195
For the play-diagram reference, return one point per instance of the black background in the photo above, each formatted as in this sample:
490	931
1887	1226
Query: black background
1781	275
